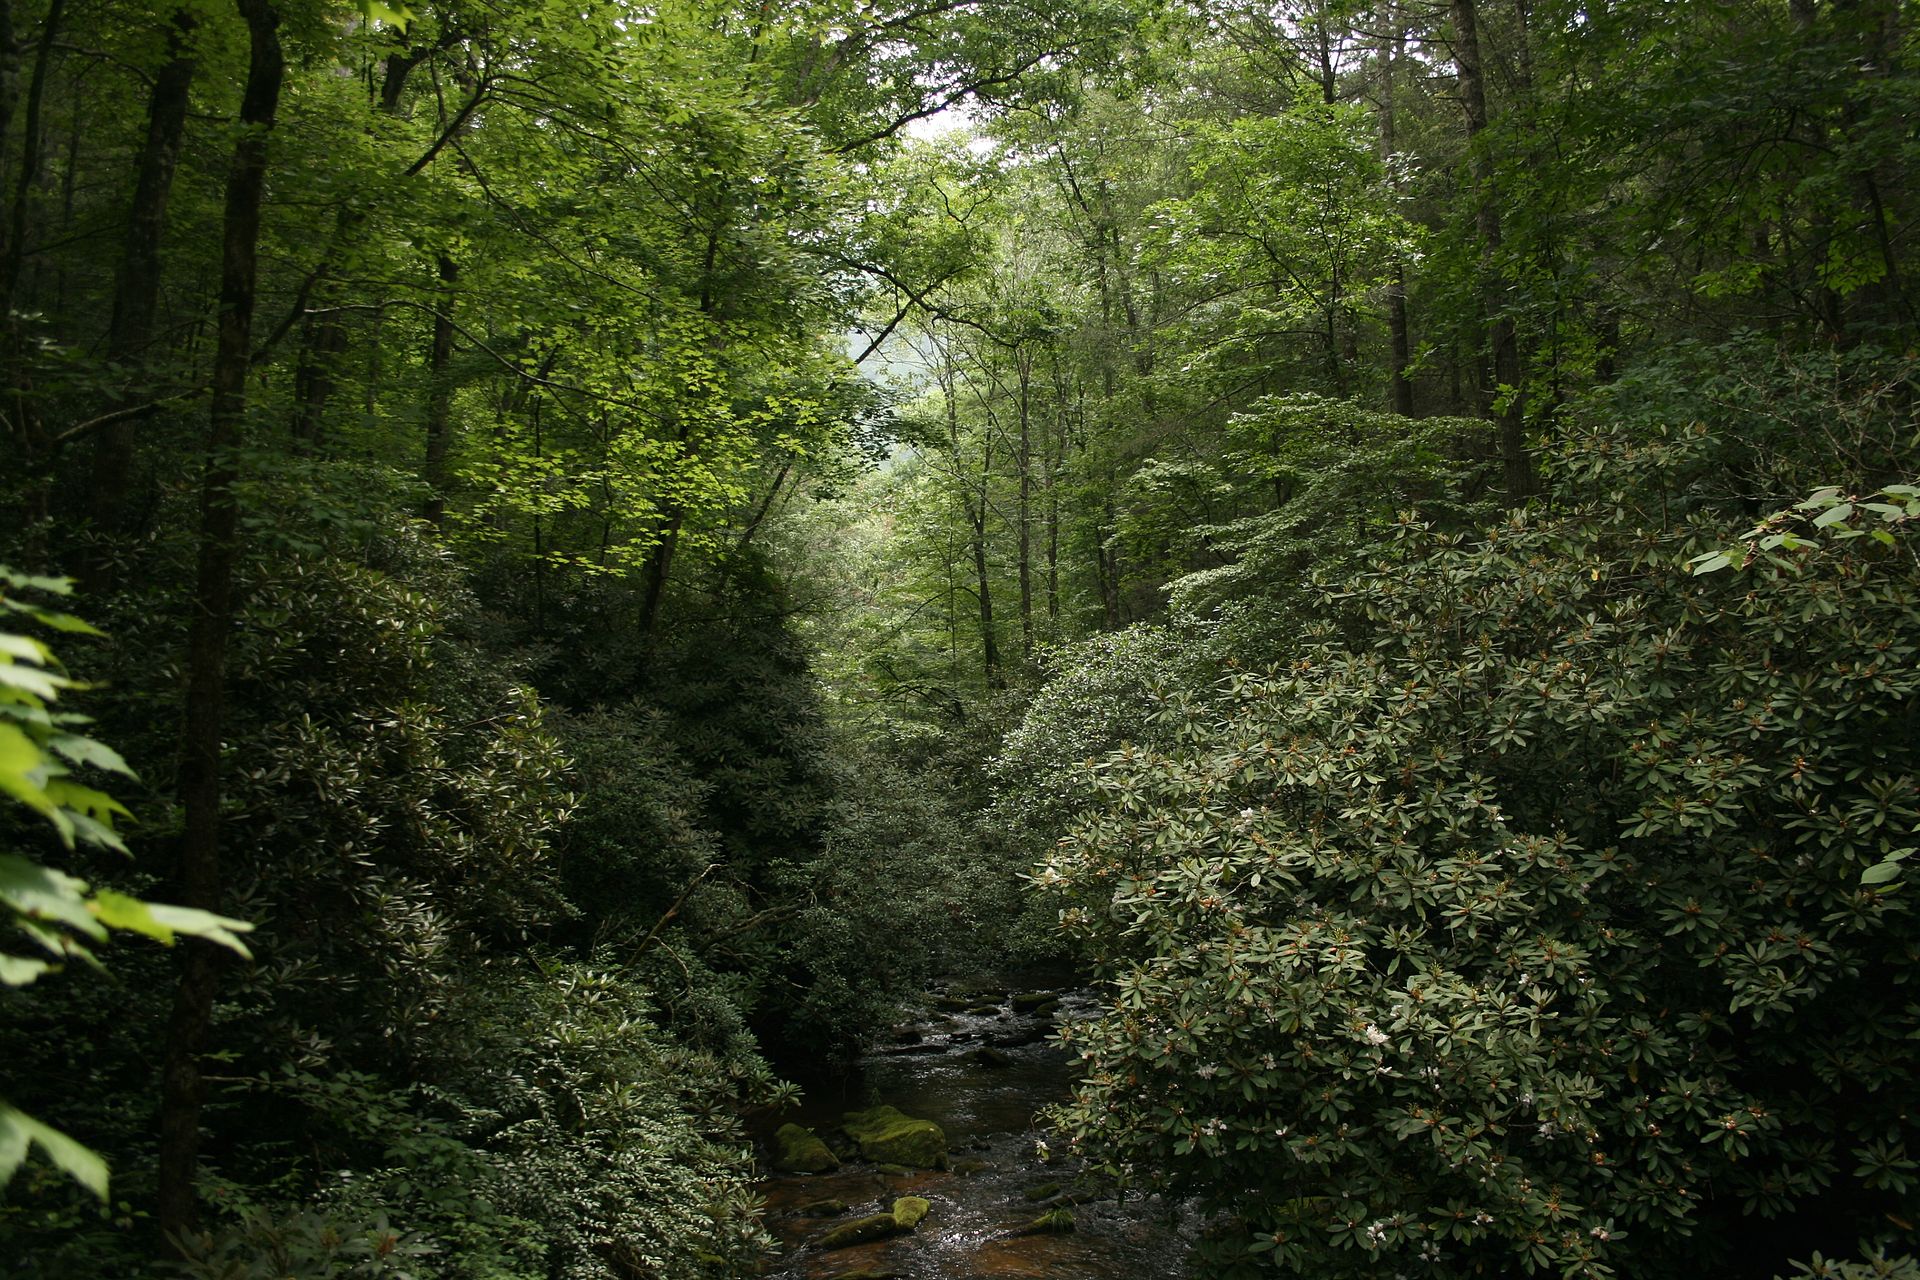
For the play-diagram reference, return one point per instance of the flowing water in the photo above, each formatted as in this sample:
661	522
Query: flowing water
1000	1175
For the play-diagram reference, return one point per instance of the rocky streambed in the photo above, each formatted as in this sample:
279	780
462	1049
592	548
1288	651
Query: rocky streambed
925	1161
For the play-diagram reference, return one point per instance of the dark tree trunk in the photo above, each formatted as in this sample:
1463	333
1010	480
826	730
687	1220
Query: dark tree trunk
1399	345
30	143
1023	533
659	571
213	608
440	394
32	444
1505	372
136	286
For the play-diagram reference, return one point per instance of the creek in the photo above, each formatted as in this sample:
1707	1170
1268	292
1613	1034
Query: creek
980	1063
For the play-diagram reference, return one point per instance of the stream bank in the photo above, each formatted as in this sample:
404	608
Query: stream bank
979	1062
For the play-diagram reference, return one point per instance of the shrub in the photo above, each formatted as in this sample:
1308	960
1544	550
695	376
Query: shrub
1516	924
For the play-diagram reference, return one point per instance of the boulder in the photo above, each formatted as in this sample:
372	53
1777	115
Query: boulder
908	1211
1052	1223
821	1209
875	1226
886	1136
797	1150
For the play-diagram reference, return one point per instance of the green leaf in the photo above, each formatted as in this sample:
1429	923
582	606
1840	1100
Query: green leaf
18	971
51	618
1833	515
41	893
393	15
18	1130
85	751
162	922
51	586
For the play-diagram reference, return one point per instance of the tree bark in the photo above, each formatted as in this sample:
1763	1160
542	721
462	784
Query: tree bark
1505	389
213	610
136	288
440	394
1023	534
1399	345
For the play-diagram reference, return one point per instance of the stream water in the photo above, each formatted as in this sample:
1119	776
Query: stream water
1001	1178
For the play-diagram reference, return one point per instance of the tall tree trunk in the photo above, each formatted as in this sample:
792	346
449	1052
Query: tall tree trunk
136	286
213	608
1023	463
30	143
21	406
323	338
1511	415
976	513
440	394
1399	345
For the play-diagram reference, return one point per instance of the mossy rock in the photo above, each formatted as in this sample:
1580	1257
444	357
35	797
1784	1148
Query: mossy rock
821	1209
886	1136
1029	1001
909	1210
798	1150
1054	1222
875	1226
1045	1191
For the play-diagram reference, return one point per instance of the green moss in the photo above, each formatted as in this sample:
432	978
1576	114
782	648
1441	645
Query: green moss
1055	1222
909	1210
875	1226
822	1209
886	1136
797	1150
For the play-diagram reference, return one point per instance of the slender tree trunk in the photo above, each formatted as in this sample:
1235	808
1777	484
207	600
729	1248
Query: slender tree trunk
1506	375
440	394
976	513
30	145
137	283
1023	464
323	343
213	609
22	408
989	648
659	571
1399	345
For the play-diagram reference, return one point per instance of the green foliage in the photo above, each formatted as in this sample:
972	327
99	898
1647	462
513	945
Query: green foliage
305	1246
1515	923
618	1143
1342	477
58	913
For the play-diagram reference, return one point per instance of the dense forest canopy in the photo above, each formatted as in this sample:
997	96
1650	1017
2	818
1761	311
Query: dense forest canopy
567	559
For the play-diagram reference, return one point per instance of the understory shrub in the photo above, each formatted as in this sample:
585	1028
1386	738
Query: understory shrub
1516	923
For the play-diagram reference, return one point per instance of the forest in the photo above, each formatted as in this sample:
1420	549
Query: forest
576	573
